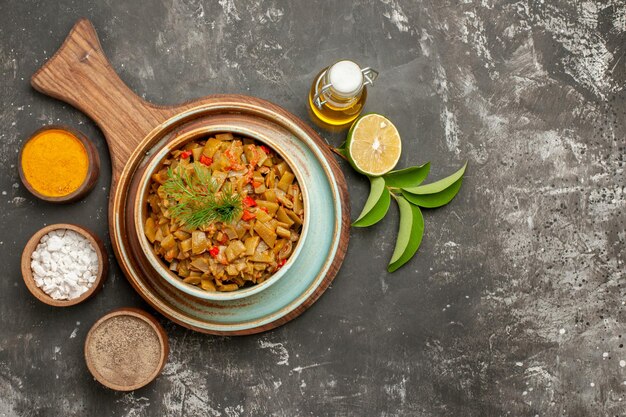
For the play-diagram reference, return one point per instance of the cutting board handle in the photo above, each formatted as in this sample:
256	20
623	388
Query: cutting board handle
80	74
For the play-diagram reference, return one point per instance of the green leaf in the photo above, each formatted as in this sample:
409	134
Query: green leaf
437	186
377	193
434	200
408	177
377	212
410	234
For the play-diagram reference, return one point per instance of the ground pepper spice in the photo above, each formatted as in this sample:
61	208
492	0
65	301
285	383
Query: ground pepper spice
124	351
55	163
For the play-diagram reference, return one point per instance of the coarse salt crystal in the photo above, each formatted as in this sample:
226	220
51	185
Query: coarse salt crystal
64	264
54	244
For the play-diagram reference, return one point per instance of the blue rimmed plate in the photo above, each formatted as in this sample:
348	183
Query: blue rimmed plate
309	270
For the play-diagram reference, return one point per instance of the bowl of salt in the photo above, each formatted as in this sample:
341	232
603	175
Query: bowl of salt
64	264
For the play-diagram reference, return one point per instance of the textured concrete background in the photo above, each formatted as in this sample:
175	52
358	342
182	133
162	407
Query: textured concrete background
514	304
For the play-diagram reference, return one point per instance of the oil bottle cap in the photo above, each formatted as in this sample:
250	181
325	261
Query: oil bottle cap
345	78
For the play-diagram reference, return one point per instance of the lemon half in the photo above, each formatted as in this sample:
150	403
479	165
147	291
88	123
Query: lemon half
373	145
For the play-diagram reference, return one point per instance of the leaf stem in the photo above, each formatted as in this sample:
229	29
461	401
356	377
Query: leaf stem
338	151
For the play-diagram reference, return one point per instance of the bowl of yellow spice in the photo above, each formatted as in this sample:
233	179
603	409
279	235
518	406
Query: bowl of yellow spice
58	164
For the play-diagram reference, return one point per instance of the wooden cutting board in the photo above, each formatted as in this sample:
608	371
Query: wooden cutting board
80	74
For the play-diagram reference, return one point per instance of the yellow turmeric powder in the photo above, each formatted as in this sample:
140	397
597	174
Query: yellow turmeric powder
55	163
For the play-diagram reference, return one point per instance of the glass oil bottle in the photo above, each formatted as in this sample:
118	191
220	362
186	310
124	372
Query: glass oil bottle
339	92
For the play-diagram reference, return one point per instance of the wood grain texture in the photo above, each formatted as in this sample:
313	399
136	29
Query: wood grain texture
93	169
27	273
80	74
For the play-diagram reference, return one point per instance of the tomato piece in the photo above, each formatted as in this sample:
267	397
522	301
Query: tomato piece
247	215
205	160
249	201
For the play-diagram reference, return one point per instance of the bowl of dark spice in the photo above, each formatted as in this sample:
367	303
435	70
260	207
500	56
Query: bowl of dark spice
126	349
64	264
58	164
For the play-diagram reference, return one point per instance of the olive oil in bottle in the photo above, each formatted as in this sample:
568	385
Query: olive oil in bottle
339	92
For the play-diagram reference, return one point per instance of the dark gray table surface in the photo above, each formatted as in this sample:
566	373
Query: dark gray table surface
514	304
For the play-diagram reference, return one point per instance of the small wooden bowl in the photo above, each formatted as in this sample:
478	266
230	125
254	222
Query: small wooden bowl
118	356
92	171
27	272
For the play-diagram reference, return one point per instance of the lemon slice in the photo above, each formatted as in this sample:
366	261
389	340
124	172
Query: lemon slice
373	145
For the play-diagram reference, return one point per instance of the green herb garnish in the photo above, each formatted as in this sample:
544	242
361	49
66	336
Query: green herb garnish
196	199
